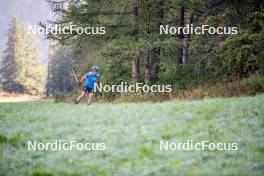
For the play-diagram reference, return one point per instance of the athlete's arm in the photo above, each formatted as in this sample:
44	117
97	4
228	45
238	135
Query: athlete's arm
81	80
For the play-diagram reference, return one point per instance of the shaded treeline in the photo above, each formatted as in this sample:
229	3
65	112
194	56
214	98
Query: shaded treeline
133	50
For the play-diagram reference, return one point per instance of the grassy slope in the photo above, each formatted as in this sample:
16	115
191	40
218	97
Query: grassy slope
132	133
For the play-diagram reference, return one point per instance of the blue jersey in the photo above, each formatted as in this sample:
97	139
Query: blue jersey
91	79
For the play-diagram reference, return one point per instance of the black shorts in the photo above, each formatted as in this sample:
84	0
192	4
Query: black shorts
87	89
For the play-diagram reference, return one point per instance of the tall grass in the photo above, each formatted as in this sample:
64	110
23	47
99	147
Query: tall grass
132	132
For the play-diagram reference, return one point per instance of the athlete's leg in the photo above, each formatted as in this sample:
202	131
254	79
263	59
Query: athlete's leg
90	98
81	96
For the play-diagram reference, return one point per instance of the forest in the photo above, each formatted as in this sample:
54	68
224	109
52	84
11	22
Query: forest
129	42
196	65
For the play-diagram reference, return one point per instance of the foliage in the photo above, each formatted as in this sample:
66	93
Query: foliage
133	32
242	54
60	71
21	70
254	83
60	97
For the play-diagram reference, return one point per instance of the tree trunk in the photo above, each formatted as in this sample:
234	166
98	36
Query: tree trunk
48	81
135	58
189	35
179	61
135	69
147	69
185	44
155	62
182	10
135	13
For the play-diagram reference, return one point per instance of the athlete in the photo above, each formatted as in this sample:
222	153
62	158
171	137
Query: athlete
90	78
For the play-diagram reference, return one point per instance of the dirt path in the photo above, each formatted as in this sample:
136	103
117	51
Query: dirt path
18	99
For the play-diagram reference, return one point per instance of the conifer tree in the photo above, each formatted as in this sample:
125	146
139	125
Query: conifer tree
21	71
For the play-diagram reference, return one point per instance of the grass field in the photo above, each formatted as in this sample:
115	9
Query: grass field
132	133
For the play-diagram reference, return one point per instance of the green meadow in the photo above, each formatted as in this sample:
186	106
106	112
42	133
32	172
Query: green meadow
132	133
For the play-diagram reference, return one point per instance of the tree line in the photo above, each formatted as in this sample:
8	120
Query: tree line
133	50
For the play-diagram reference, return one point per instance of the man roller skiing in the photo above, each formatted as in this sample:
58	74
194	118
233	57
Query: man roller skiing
90	78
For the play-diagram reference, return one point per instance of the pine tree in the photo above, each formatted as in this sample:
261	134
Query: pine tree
9	62
21	70
60	67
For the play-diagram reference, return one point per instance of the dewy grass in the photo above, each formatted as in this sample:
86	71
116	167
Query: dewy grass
132	133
